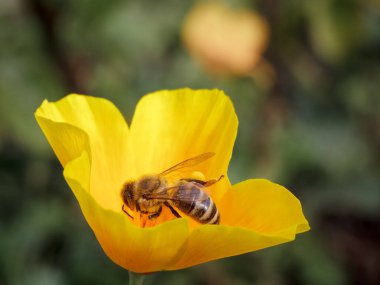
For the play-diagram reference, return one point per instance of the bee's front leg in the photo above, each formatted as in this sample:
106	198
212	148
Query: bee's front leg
125	211
156	214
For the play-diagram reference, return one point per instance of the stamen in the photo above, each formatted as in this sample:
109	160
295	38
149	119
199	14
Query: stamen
143	221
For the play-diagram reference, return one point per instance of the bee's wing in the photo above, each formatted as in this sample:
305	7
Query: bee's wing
172	193
189	162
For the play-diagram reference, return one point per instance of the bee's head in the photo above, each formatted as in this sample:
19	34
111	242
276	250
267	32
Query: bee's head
127	194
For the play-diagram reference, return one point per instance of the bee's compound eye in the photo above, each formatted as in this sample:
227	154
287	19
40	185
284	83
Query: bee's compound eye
128	195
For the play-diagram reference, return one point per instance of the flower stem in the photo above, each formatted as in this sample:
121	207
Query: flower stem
136	278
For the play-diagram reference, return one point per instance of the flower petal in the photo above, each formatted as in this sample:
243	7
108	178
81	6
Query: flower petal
210	242
171	126
263	207
71	121
254	214
137	249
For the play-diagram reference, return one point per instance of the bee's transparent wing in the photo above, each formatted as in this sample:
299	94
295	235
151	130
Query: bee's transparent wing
174	194
189	162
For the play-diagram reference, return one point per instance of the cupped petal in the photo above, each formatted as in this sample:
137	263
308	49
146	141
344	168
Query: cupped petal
77	120
136	249
67	141
171	126
255	214
262	206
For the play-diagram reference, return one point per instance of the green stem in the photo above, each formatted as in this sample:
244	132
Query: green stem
136	278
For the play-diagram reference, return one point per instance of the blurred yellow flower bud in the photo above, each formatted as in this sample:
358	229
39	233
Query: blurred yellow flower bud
225	40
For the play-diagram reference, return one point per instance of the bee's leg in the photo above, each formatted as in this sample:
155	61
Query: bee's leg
174	212
155	215
126	212
193	180
212	181
203	183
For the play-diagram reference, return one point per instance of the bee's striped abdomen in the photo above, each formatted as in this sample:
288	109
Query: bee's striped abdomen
201	208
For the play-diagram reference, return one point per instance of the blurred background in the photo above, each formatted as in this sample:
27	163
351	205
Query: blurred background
304	77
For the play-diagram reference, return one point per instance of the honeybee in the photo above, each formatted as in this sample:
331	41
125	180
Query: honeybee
148	194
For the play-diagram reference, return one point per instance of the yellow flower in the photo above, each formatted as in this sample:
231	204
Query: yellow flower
99	153
225	40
